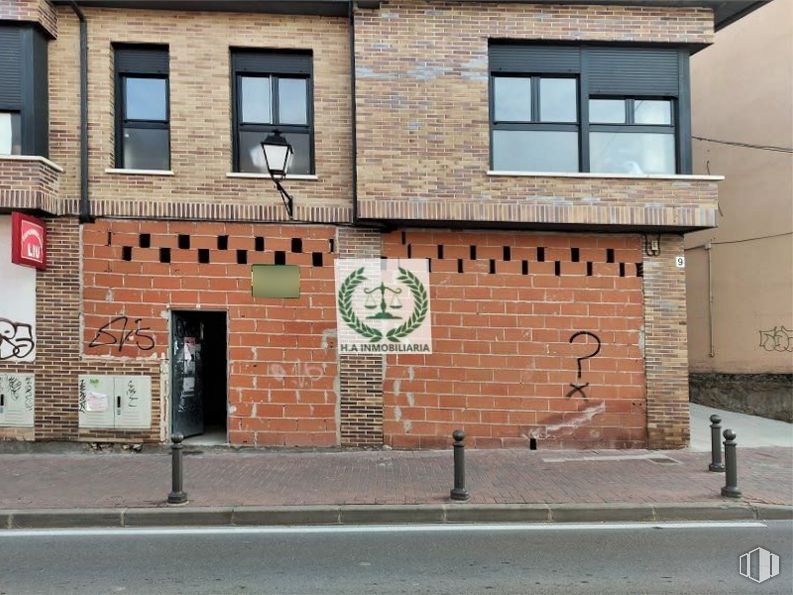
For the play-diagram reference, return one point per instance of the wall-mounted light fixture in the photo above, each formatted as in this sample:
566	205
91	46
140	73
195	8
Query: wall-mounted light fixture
278	156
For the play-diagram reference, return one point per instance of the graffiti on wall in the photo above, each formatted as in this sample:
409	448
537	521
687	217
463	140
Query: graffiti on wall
777	339
16	339
122	331
576	387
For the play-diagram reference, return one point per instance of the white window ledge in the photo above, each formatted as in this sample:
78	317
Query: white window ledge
239	174
38	158
556	174
139	172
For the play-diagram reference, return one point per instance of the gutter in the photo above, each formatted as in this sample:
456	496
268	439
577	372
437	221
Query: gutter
85	203
353	116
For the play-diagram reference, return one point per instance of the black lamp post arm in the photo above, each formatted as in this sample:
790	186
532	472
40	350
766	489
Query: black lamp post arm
285	196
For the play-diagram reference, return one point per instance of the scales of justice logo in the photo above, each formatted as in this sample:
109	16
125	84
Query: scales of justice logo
383	305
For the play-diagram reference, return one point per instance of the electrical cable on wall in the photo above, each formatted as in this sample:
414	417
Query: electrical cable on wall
745	145
776	235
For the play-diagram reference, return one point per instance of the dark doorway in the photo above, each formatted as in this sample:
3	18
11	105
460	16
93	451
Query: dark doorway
198	374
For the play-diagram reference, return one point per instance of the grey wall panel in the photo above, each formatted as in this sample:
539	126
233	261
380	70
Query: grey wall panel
531	59
272	62
633	71
142	60
10	67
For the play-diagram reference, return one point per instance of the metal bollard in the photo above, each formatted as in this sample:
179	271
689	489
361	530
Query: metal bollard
177	495
459	492
715	444
730	490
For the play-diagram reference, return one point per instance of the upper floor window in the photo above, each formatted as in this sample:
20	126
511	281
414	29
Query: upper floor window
10	133
272	91
535	123
142	108
589	109
631	136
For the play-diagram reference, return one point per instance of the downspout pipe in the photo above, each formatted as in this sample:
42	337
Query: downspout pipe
85	204
353	116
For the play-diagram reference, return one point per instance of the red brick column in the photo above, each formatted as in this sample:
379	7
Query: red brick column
665	349
360	376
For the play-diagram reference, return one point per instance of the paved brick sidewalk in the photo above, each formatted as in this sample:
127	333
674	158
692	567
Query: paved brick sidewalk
267	478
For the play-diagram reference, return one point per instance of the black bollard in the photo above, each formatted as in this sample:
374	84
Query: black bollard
730	489
177	495
459	492
715	444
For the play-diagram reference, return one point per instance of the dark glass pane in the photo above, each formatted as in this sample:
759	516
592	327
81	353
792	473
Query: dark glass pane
252	157
292	101
607	111
145	99
512	99
646	111
535	150
632	152
145	148
558	100
256	99
10	134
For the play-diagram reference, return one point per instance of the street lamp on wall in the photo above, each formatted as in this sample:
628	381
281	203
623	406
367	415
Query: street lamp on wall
278	154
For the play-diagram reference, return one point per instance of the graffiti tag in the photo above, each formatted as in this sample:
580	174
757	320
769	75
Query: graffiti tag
576	388
16	339
777	339
124	333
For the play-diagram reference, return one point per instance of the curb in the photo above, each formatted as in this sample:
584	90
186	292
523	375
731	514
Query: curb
383	514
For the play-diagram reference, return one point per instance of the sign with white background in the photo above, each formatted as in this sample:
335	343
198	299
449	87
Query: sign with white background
17	303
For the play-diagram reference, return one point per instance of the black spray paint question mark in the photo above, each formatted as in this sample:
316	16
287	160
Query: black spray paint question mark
593	354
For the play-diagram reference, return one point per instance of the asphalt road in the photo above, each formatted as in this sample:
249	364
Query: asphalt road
616	558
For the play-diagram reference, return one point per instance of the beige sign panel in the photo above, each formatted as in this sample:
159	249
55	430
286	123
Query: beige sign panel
275	281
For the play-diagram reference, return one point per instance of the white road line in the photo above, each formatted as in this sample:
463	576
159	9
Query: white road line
317	529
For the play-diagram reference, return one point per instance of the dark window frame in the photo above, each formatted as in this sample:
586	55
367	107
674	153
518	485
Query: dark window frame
535	124
561	66
122	73
275	75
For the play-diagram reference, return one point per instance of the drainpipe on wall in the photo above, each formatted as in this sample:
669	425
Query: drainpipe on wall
711	351
85	204
353	116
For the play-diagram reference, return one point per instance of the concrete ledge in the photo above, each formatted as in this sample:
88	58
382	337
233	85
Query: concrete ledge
391	514
286	515
773	512
497	513
703	512
176	517
587	513
64	519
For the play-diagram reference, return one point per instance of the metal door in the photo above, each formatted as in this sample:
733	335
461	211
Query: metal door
187	374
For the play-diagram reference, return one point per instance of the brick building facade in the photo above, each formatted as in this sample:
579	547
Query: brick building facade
530	271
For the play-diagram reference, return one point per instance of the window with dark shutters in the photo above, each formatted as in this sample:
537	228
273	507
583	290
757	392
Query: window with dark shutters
631	108
272	90
142	108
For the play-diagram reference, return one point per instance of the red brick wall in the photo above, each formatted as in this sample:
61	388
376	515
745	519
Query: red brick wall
282	361
502	363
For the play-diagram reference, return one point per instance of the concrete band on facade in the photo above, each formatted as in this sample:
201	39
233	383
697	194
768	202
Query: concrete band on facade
506	304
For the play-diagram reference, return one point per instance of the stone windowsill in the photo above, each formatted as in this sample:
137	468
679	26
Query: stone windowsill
38	158
617	176
139	172
306	177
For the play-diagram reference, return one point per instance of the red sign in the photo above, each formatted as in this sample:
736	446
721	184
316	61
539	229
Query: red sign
28	241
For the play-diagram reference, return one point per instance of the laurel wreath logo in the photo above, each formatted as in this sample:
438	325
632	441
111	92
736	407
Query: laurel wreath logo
416	319
420	303
348	315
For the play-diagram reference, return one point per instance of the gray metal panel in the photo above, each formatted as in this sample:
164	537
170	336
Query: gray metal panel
633	71
10	67
40	102
142	60
534	58
272	62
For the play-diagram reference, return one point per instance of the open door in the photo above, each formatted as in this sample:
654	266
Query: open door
198	373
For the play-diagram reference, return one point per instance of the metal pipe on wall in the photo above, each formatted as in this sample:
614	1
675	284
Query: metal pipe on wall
85	205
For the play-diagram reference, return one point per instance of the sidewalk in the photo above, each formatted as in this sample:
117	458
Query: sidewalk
220	478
